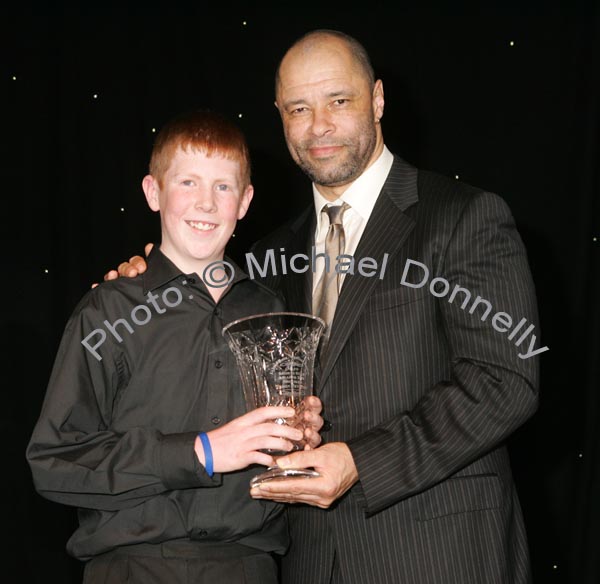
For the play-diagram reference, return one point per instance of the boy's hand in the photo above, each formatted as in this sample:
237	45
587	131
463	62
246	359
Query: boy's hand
237	444
135	266
312	421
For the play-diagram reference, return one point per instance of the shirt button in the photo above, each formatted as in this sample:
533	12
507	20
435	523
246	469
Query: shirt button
202	533
218	364
216	420
192	280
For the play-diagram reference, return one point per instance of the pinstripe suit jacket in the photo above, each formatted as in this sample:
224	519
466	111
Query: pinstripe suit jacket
424	392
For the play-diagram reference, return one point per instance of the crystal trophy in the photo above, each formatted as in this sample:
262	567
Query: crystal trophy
275	354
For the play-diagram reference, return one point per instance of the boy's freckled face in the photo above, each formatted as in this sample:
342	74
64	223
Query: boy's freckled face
200	202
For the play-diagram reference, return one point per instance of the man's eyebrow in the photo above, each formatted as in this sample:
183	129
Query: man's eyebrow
342	93
293	102
331	94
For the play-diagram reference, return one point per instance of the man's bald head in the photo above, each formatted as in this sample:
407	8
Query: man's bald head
315	40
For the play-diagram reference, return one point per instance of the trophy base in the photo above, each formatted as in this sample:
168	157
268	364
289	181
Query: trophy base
275	473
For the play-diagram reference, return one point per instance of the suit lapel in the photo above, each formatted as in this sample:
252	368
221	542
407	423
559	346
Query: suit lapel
297	288
387	229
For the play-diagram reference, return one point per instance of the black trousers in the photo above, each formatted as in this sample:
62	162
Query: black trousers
182	563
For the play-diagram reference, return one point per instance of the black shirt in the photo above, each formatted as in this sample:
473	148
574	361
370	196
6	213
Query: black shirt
117	429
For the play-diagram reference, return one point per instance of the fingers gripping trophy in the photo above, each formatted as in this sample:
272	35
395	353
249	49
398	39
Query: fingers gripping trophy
275	354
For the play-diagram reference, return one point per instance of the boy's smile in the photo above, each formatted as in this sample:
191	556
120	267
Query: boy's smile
200	226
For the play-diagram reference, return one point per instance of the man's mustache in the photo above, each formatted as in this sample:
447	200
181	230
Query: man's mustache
309	145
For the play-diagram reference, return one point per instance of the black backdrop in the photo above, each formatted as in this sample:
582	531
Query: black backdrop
505	96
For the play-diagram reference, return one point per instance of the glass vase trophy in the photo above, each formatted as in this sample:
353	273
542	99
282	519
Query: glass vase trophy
275	354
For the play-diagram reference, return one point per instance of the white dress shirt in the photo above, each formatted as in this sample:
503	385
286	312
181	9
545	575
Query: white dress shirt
361	195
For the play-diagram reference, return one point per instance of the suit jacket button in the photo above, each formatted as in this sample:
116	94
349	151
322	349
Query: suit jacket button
327	425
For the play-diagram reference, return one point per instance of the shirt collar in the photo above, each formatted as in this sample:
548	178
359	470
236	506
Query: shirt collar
362	194
161	270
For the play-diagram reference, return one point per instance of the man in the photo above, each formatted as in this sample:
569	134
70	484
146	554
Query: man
426	372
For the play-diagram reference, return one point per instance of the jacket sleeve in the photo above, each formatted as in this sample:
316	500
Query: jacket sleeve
492	389
76	458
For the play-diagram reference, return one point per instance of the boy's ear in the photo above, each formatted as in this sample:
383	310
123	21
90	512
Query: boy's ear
151	190
245	201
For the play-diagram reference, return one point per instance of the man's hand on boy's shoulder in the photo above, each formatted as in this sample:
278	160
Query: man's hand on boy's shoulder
134	267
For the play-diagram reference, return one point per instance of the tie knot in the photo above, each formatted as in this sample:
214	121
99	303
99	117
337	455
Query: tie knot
336	213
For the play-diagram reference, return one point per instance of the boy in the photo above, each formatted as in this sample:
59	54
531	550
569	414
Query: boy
133	425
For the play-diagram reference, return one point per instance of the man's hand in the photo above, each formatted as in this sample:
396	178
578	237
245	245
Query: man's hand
135	266
332	461
312	421
236	445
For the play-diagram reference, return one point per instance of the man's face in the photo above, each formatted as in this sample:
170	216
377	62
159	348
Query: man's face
330	114
200	201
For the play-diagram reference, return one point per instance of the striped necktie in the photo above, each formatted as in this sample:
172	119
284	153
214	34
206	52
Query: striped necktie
327	291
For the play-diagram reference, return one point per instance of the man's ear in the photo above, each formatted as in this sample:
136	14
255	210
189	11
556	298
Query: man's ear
245	201
151	190
378	100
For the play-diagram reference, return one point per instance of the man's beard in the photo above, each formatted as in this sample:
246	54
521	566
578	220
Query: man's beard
343	173
354	163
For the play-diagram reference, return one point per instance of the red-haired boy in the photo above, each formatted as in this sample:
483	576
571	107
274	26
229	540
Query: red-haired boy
143	425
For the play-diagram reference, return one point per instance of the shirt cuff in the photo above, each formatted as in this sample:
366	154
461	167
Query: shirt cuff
178	465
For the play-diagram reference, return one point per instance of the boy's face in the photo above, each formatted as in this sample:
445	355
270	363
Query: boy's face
200	201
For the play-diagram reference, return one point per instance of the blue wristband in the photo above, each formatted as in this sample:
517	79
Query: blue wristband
208	459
